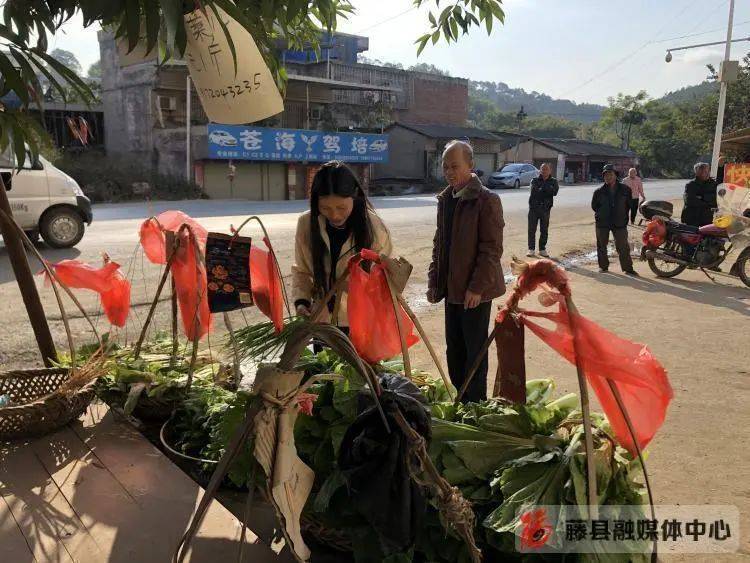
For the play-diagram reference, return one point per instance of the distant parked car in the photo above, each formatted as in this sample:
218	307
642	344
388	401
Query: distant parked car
222	138
513	176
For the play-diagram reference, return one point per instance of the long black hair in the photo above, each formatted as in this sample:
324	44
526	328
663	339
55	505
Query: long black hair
335	178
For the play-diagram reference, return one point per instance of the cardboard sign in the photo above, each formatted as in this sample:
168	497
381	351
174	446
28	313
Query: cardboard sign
228	272
246	96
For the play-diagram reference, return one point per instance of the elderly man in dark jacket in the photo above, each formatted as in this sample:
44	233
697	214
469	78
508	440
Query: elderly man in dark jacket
611	205
543	190
465	268
700	197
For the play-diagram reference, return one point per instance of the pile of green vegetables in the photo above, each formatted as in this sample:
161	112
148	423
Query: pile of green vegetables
501	456
155	378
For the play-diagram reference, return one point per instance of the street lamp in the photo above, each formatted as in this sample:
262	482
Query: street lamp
668	58
725	76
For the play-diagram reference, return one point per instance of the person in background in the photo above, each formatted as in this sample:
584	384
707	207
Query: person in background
700	197
465	268
633	181
340	223
611	205
543	190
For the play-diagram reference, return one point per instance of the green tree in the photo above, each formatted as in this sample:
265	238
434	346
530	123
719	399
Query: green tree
428	69
68	59
551	126
666	142
28	24
95	70
623	114
377	62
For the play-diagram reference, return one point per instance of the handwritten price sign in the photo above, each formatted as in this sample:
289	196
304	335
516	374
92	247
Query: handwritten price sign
246	96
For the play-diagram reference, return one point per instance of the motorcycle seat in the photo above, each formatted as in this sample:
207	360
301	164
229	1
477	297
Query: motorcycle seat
712	230
683	228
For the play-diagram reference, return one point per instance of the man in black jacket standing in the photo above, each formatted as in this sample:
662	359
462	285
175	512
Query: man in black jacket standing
543	189
700	197
611	204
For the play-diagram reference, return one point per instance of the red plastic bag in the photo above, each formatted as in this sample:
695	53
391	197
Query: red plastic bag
639	377
266	285
655	234
153	239
107	281
116	301
188	269
372	323
191	286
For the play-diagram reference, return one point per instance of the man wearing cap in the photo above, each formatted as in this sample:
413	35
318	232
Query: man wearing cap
611	205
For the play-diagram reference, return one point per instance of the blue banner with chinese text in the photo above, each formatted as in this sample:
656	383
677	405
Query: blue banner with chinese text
244	142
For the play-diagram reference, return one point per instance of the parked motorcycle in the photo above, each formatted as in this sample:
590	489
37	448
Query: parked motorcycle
670	247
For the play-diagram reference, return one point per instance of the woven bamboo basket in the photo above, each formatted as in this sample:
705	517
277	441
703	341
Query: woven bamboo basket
35	407
36	410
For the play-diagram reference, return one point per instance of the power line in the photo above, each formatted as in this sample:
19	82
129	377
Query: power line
701	33
630	55
386	20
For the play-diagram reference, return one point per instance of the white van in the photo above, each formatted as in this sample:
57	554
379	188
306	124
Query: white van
46	201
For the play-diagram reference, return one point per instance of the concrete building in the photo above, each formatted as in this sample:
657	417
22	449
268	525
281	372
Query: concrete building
145	109
581	161
416	151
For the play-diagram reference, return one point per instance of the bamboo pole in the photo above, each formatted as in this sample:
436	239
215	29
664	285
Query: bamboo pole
618	397
593	497
399	325
475	365
423	334
235	350
175	340
167	270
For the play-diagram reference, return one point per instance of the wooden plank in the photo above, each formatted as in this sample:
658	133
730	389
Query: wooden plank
101	504
50	526
13	546
166	496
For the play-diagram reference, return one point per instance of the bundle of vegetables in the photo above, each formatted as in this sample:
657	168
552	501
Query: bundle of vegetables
155	378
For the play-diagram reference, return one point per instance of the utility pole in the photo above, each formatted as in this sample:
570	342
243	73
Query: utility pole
25	279
722	96
520	116
727	74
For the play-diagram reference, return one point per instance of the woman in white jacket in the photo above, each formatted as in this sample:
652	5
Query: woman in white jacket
340	223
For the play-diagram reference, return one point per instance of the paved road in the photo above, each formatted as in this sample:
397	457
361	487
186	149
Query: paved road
115	226
513	200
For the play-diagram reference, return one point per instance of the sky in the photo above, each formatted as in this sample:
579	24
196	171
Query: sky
582	50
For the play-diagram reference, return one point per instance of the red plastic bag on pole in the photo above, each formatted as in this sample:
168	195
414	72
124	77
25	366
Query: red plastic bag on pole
107	281
372	321
152	234
266	285
191	286
639	377
188	267
116	301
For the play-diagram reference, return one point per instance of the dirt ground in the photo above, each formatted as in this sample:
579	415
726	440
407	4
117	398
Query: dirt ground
698	329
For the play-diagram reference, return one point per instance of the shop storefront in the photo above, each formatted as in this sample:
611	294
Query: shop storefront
266	164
